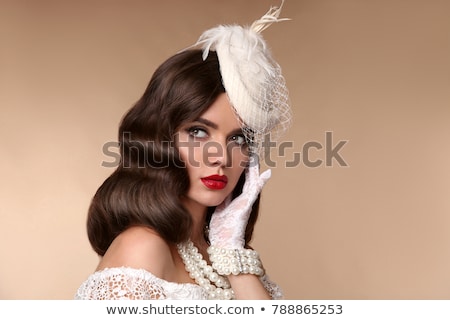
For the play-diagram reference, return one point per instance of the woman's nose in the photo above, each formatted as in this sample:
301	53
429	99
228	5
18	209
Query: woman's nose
216	153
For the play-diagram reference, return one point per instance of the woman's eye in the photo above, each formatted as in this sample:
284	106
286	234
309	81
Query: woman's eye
238	139
198	132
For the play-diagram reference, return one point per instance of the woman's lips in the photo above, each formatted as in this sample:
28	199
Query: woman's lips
215	182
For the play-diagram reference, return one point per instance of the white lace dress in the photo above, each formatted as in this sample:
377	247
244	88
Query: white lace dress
129	283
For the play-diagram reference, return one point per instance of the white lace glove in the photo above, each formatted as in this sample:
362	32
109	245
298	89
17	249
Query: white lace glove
227	228
229	220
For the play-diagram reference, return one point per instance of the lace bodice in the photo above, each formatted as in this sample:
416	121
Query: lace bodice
128	283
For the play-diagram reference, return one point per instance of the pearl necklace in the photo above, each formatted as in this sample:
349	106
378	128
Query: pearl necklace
216	286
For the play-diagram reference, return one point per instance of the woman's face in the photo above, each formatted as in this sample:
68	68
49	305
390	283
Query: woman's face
214	150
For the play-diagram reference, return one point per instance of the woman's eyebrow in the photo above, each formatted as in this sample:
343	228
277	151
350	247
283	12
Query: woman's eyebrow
213	125
208	123
237	131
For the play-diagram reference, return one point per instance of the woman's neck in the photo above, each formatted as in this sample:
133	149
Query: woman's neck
198	213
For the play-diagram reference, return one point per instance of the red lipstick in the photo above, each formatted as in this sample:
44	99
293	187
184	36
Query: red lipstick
215	182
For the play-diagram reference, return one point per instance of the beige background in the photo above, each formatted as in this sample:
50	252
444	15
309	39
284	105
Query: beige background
375	73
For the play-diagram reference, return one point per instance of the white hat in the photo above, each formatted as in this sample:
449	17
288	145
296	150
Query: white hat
251	77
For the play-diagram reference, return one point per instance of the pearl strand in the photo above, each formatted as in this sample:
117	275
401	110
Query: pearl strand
216	286
235	261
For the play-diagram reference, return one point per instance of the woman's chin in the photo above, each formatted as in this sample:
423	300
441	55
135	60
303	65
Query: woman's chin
215	202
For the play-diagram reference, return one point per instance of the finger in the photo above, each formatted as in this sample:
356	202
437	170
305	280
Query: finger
252	172
253	160
266	175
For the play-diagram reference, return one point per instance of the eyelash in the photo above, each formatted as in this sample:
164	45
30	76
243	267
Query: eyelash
234	139
193	132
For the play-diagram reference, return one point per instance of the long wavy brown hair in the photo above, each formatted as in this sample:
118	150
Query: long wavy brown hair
147	186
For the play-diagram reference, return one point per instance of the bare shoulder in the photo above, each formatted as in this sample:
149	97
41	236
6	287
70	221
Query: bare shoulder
140	248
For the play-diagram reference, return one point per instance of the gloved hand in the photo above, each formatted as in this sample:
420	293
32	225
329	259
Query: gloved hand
229	220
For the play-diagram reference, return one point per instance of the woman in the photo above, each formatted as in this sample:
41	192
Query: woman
175	219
